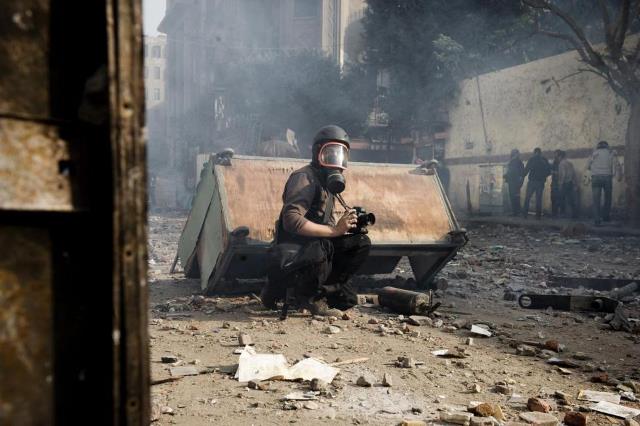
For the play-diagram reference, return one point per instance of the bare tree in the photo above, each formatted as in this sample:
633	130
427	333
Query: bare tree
619	64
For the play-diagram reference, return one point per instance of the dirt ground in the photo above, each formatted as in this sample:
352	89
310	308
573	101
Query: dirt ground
498	260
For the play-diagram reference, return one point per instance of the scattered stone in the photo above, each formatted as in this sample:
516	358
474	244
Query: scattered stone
438	323
255	384
449	329
526	350
405	362
412	423
503	389
581	356
311	405
538	405
318	385
419	320
631	422
469	341
364	382
334	346
480	331
194	362
489	410
600	378
461	323
539	419
456	418
554	345
244	339
346	316
574	418
373	321
484	421
167	410
226	324
169	359
332	329
475	388
387	381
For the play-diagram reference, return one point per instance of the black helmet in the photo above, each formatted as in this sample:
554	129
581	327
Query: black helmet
331	133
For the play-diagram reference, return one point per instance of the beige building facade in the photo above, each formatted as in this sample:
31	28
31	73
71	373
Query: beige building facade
547	103
155	60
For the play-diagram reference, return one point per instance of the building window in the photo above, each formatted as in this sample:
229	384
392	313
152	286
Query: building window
156	73
156	94
156	51
305	8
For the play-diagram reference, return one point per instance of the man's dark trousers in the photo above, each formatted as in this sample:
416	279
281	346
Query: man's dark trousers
598	185
330	263
537	187
514	196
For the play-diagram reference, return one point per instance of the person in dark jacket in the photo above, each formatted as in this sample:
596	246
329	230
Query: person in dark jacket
514	178
538	169
556	192
314	255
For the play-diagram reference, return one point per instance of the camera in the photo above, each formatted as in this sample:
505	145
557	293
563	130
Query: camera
364	220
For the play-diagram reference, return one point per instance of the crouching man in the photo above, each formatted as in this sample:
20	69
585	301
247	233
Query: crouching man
313	257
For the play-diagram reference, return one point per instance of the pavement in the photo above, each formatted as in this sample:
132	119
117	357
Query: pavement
614	228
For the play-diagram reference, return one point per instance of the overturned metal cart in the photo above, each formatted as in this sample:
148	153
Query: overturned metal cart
231	223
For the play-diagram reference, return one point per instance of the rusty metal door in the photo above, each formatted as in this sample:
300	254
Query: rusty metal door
73	344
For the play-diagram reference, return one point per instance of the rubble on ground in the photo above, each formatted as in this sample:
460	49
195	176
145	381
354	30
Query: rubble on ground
516	366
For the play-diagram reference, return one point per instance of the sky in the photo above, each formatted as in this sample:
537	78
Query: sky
152	14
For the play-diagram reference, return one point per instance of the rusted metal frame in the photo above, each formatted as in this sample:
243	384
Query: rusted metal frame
126	94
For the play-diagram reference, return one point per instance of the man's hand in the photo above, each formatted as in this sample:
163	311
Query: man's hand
346	223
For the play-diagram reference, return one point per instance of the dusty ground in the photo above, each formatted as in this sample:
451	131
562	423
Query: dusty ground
498	259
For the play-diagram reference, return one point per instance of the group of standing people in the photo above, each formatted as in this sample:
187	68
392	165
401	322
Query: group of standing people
603	165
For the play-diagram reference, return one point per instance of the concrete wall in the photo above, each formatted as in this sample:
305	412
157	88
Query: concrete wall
540	104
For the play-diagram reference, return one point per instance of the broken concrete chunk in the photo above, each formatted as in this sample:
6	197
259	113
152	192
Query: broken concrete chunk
526	350
615	410
364	381
387	380
469	341
184	371
574	418
484	421
539	419
538	405
456	418
595	396
480	331
245	340
167	410
406	362
475	388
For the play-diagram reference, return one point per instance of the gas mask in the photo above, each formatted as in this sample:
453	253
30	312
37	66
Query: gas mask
333	158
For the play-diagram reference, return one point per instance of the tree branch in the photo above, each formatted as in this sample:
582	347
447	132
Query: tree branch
595	59
608	32
620	30
576	44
